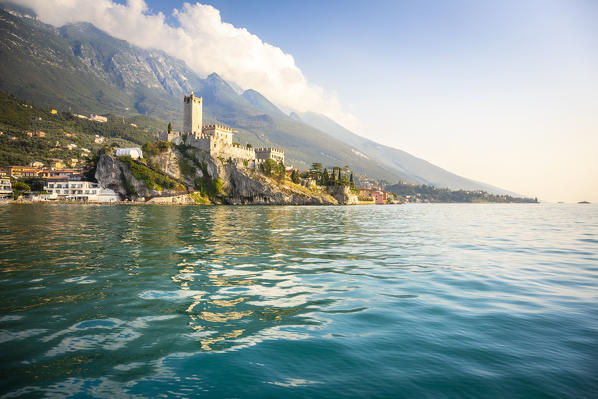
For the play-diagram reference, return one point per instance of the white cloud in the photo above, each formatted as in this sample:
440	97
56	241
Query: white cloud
206	44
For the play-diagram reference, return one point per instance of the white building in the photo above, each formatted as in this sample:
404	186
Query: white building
85	191
134	152
98	118
5	186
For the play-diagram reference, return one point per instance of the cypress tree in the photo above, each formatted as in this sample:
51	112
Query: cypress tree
169	127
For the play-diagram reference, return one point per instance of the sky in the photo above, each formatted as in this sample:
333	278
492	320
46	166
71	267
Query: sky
504	92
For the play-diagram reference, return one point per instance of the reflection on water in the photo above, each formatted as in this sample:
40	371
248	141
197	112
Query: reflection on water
265	301
234	259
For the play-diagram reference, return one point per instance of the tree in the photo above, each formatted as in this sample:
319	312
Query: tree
169	127
351	181
281	172
18	188
249	145
271	168
295	176
325	178
316	172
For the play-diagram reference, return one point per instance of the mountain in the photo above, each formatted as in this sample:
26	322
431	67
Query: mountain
81	68
260	102
412	168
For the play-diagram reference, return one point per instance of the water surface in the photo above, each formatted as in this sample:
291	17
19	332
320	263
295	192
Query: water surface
368	301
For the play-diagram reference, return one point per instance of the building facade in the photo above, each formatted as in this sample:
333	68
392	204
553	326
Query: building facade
134	152
22	171
5	186
261	154
85	191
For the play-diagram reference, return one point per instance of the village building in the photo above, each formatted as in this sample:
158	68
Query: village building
56	163
215	139
5	186
98	118
17	172
133	152
61	174
84	191
36	133
377	195
21	171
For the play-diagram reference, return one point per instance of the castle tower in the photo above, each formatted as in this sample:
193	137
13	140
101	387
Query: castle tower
192	115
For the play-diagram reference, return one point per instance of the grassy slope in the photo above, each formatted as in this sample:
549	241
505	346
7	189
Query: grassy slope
17	117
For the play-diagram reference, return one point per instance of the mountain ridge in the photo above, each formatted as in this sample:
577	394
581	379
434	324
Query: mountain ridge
80	67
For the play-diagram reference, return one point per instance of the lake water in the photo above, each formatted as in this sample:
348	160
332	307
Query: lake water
366	301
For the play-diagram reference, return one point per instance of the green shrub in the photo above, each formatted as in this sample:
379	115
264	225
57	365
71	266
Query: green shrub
20	186
152	179
186	168
271	168
155	148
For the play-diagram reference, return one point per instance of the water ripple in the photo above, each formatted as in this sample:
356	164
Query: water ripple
396	301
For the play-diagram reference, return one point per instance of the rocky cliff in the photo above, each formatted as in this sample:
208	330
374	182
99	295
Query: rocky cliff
182	174
134	181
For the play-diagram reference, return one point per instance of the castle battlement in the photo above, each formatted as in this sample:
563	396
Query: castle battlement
217	127
215	139
272	149
192	99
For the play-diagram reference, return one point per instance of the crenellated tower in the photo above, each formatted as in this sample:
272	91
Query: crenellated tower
193	115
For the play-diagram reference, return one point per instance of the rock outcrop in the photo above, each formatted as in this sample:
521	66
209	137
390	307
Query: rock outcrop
185	175
343	195
116	174
246	187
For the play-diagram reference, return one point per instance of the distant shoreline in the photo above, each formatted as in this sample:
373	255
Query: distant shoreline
25	202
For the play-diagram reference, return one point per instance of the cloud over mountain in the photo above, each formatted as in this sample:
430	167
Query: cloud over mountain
206	44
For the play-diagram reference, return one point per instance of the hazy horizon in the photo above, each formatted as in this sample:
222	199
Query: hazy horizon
502	93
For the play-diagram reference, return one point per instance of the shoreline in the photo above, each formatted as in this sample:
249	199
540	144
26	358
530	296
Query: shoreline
25	202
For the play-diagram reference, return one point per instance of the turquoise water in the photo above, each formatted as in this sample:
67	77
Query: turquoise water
388	301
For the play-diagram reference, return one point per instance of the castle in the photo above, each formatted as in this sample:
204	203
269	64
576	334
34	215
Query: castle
216	140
